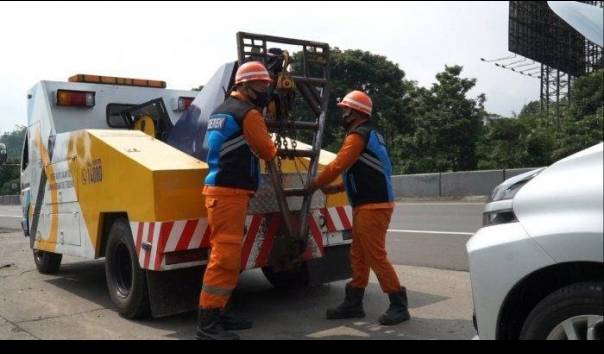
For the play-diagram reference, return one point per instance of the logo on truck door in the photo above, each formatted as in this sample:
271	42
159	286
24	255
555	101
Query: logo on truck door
93	173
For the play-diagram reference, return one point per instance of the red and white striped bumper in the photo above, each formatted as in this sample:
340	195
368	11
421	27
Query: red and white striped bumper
154	239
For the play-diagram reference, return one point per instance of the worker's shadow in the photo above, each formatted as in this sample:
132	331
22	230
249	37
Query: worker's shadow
300	314
87	280
280	314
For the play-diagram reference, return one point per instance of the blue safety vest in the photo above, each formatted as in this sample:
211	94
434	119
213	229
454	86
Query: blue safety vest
231	161
369	179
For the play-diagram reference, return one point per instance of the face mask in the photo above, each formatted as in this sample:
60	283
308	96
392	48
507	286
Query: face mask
347	119
261	99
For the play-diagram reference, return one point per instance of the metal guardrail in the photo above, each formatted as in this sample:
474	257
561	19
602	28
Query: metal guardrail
451	185
9	200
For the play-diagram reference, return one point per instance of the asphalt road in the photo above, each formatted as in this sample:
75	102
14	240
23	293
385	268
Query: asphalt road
74	304
421	234
10	217
433	234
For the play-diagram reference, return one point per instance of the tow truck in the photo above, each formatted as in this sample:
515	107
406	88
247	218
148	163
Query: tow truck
114	167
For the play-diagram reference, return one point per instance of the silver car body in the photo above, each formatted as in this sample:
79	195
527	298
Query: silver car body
559	220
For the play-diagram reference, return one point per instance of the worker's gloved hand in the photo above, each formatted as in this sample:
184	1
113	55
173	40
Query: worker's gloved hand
333	189
329	189
313	187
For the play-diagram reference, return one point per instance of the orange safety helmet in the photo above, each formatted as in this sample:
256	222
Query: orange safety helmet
252	71
357	100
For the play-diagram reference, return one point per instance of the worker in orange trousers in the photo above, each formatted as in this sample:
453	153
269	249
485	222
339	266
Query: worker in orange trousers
364	162
237	137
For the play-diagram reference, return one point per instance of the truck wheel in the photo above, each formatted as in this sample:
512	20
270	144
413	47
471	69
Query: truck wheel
573	312
47	262
287	280
126	281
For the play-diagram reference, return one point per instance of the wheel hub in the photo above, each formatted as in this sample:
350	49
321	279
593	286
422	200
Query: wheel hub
584	327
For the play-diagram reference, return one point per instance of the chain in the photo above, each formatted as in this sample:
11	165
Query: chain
285	144
278	144
286	130
294	140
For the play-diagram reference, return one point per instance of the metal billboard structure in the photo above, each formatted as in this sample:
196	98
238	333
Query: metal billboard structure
544	46
537	33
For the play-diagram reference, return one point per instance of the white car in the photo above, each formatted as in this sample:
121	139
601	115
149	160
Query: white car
537	265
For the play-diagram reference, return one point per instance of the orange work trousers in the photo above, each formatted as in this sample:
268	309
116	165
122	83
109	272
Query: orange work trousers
226	219
368	249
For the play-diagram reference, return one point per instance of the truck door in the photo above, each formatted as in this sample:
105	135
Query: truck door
25	180
67	208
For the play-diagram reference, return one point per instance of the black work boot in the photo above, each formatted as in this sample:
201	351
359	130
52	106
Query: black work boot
231	323
397	312
352	307
209	327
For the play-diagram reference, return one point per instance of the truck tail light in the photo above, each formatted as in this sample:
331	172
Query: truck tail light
71	98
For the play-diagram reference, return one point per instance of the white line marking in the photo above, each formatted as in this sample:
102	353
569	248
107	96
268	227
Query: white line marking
10	216
444	204
431	232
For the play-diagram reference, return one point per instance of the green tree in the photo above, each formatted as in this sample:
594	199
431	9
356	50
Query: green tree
382	79
587	95
583	124
448	126
514	143
14	142
9	173
529	141
531	109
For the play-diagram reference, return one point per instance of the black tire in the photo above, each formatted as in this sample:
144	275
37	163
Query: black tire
298	279
574	300
47	262
126	281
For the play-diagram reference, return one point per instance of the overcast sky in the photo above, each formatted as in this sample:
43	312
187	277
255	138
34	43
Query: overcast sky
184	43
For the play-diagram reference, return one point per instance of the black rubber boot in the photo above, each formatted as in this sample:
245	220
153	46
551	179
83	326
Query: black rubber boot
398	311
352	307
231	323
209	327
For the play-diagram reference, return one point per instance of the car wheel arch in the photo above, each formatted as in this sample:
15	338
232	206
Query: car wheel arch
534	287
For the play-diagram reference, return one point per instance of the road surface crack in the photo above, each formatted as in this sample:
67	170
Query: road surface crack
62	316
16	325
16	275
